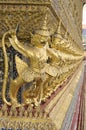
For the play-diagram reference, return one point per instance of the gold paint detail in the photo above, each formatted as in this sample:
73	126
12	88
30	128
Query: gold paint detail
51	61
48	36
29	117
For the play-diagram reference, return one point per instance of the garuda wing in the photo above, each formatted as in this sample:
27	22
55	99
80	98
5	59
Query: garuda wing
20	65
54	55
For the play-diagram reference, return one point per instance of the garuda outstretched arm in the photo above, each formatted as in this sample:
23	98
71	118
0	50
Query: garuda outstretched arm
6	69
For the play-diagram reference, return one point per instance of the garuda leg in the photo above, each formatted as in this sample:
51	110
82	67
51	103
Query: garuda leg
14	87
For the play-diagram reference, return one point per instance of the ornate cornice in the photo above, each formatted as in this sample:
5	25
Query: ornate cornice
25	2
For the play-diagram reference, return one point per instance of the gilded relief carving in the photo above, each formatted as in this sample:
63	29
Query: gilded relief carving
47	54
43	32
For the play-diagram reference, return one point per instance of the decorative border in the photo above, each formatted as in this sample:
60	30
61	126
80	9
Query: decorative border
71	111
26	2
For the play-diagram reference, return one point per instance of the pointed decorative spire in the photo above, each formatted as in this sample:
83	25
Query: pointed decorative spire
58	31
59	27
44	30
66	35
45	23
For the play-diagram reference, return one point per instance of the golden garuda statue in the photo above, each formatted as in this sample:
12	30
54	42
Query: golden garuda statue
49	64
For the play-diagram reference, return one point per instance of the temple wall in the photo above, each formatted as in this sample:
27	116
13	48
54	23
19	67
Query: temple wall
43	70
